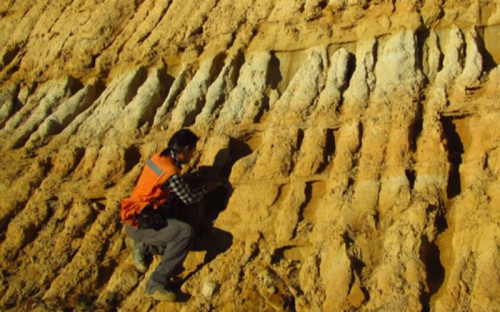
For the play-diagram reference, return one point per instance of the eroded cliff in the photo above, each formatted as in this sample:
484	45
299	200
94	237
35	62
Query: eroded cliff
359	140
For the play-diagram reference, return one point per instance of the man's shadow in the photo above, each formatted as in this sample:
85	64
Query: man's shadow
209	238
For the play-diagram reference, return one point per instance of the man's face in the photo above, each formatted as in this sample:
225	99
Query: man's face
188	153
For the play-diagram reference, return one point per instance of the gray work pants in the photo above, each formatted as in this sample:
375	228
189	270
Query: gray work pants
172	241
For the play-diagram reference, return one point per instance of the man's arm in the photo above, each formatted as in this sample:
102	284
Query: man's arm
186	194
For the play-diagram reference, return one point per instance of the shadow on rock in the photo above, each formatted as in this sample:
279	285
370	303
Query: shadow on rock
202	216
214	241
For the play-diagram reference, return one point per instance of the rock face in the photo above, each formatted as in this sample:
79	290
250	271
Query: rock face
359	141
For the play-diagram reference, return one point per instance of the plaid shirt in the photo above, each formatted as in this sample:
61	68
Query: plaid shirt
181	189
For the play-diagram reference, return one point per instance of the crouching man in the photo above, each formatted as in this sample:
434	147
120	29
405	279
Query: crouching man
149	218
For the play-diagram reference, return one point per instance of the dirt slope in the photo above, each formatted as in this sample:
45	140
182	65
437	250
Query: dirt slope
359	141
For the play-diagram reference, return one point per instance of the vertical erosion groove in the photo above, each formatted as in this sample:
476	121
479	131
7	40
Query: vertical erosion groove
132	157
489	47
300	139
351	69
455	151
274	73
328	151
166	82
431	252
135	84
435	271
308	197
9	56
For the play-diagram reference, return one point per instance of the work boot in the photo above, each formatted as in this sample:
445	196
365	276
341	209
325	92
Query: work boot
162	294
140	262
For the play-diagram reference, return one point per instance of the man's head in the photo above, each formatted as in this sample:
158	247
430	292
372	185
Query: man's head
183	143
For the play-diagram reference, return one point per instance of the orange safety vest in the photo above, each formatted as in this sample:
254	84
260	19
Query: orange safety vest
148	190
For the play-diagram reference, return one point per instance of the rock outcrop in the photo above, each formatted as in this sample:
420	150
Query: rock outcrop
358	139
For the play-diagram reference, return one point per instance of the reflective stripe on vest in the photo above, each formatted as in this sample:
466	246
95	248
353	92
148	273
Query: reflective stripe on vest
157	170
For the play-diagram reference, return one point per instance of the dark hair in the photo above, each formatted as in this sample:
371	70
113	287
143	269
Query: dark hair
180	140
